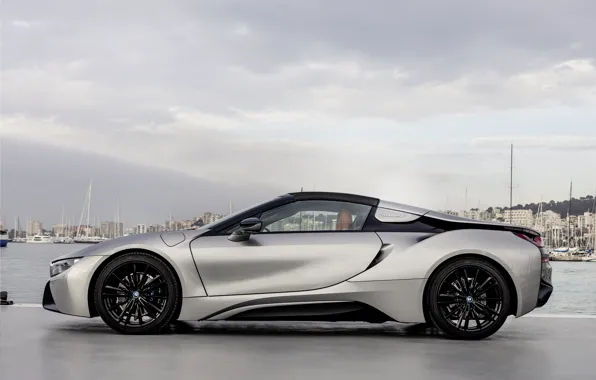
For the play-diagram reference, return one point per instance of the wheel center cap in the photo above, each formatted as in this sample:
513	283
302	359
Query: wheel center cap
469	299
135	294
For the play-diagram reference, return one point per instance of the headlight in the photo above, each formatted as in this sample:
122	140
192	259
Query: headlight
61	266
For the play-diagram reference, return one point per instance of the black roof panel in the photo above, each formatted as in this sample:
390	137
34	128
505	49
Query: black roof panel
330	196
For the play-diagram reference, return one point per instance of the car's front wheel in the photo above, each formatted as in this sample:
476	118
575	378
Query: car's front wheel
137	293
469	299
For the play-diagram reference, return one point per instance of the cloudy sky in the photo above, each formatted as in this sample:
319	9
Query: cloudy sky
181	105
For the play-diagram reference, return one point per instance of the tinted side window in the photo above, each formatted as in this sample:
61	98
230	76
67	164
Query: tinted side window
313	215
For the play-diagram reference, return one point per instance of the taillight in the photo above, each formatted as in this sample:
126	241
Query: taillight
537	240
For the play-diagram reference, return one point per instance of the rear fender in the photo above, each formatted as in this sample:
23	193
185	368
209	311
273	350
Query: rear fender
519	258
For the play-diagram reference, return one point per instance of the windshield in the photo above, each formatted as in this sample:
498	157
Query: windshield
225	219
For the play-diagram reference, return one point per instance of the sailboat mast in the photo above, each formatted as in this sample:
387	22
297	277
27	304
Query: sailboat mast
541	210
62	222
89	207
594	221
117	229
82	215
511	187
569	216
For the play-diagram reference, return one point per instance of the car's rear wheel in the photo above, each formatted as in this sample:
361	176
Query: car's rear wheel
469	299
137	293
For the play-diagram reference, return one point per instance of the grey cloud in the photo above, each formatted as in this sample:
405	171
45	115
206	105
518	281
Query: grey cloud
139	57
451	36
107	66
558	143
37	181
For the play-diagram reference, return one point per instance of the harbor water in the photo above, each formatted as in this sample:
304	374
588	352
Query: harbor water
24	271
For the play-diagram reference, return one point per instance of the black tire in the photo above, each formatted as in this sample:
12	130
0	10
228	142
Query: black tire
137	293
452	310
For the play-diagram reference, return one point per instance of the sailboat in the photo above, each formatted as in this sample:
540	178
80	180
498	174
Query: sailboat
86	207
567	249
592	251
3	238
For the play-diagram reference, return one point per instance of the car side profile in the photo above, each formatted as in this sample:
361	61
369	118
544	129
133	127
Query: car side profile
311	256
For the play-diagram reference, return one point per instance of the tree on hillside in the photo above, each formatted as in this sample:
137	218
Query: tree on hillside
578	206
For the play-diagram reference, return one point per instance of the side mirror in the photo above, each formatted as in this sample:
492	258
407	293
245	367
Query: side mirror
251	225
247	227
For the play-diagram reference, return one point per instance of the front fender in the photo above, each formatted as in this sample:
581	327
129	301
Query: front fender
178	256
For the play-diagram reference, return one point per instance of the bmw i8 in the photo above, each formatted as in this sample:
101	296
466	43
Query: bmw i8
311	256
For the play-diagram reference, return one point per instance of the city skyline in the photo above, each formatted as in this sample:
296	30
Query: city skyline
187	105
217	215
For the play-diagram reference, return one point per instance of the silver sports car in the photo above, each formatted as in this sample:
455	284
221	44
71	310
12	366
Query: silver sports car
311	256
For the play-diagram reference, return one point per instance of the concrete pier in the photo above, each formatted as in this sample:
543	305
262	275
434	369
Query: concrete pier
36	344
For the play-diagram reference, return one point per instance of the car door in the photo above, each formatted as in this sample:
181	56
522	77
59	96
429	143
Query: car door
302	246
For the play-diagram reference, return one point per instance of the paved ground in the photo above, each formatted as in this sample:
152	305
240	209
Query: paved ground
36	344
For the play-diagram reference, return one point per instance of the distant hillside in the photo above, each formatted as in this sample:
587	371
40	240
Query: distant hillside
578	206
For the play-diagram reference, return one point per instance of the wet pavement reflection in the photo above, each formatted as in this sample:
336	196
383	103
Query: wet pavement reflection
36	344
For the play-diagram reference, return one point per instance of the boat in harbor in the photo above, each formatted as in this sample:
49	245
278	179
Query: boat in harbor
63	240
3	238
40	239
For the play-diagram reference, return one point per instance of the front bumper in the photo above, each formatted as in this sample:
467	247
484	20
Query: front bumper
68	292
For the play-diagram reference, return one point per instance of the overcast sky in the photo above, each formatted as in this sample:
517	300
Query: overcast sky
413	101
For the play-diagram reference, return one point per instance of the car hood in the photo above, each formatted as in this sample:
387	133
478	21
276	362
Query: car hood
159	240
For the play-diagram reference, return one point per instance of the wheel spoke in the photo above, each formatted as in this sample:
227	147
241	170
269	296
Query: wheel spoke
149	296
487	309
153	308
480	289
129	276
130	312
454	288
475	314
117	305
461	317
464	280
453	311
475	281
489	287
467	318
121	282
134	274
128	304
143	277
447	302
115	288
153	286
139	314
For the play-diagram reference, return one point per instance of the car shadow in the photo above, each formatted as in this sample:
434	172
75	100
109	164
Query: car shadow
305	329
270	328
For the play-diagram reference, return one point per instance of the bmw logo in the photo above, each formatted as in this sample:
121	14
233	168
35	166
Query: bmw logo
135	294
469	299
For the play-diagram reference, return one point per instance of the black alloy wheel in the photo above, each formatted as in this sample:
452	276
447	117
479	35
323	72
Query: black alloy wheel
469	299
137	293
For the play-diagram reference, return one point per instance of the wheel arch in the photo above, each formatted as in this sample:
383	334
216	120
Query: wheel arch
90	291
499	266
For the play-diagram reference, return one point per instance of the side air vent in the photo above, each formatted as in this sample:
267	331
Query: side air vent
386	215
385	250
